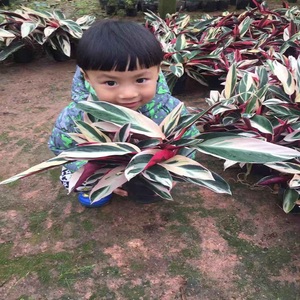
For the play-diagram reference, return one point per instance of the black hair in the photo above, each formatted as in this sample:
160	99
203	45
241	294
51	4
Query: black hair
118	45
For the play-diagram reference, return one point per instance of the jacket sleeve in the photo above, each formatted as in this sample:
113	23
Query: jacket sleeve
59	140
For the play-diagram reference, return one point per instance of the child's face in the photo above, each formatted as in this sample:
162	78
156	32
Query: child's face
131	89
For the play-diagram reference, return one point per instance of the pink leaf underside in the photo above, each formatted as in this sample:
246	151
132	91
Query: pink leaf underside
160	156
79	177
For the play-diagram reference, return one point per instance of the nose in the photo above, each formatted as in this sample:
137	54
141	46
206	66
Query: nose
128	92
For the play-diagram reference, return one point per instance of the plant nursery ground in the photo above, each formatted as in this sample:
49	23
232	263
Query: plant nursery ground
200	246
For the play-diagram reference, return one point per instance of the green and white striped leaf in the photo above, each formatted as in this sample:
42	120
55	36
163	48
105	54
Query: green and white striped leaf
184	166
171	120
262	124
13	47
248	150
98	150
91	133
120	116
244	26
285	77
217	185
108	183
285	167
159	174
138	163
6	34
123	134
295	182
180	42
159	189
290	197
231	80
51	163
177	69
293	136
28	27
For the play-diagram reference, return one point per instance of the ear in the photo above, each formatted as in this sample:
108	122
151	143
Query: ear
85	75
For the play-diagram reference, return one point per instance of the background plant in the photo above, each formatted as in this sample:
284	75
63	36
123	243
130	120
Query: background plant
264	104
48	29
207	46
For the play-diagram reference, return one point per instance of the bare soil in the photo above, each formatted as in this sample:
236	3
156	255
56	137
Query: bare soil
202	245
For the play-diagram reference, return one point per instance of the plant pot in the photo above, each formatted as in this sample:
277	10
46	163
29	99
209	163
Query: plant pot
110	9
209	6
121	4
4	2
253	5
242	4
85	200
24	55
103	3
222	5
153	7
131	12
191	5
180	84
232	2
139	193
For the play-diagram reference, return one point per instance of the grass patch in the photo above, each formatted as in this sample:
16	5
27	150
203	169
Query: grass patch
36	221
133	292
111	271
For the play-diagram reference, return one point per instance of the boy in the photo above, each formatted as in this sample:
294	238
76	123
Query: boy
120	62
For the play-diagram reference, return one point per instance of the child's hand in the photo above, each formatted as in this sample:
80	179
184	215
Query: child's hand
121	192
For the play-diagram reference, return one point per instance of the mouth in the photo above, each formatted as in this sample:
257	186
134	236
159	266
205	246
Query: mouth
131	105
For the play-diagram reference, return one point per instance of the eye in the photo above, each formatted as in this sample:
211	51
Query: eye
141	80
110	83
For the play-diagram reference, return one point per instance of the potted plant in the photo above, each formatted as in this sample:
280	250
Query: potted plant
131	8
120	145
33	30
209	5
263	103
111	7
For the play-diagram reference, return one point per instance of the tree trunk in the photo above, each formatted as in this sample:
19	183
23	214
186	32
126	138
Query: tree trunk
166	6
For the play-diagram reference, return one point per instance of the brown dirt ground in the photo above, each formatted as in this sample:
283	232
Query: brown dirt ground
201	246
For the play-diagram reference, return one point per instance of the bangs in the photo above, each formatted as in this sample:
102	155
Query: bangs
118	45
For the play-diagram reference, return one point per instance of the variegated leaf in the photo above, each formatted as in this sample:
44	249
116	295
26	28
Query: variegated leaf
289	199
262	124
51	163
171	120
108	183
285	77
159	174
120	116
243	149
177	69
285	167
231	80
27	28
91	133
138	163
184	166
295	181
98	151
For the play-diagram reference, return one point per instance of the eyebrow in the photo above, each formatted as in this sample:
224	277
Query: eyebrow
140	74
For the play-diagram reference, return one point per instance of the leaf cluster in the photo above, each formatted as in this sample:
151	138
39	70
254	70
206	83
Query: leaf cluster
118	144
26	26
209	45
